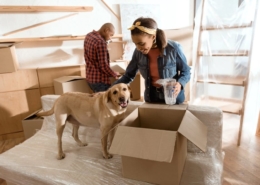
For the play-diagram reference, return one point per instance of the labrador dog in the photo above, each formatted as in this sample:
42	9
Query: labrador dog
104	109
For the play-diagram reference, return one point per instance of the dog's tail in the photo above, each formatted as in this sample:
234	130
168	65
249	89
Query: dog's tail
46	113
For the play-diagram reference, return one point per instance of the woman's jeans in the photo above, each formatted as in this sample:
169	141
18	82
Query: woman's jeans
157	95
99	87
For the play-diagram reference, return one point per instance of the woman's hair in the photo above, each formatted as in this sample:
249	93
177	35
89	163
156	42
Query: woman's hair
150	23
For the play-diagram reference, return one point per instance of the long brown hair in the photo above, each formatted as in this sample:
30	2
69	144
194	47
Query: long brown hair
160	39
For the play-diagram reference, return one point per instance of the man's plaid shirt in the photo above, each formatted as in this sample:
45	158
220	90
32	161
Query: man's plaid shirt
97	59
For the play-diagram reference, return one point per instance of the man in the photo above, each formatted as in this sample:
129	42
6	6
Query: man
97	59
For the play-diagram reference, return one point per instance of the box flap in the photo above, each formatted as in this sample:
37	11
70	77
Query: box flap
194	130
118	68
150	144
68	78
33	115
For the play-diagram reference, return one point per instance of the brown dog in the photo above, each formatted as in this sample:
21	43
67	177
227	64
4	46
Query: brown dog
105	109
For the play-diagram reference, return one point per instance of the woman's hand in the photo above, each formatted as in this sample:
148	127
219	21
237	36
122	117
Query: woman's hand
177	89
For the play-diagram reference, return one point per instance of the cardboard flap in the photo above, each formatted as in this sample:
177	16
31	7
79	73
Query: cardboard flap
150	144
118	68
194	130
68	78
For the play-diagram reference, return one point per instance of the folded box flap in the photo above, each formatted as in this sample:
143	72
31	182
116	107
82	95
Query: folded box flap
68	78
150	144
194	130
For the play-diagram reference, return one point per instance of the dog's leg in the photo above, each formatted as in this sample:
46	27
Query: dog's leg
75	135
61	120
104	135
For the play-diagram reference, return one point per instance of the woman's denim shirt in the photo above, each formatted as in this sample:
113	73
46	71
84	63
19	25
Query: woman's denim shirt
172	64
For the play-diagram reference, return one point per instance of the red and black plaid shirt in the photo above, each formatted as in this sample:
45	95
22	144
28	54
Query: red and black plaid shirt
97	59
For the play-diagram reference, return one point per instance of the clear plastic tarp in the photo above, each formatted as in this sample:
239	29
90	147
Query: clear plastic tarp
34	161
226	70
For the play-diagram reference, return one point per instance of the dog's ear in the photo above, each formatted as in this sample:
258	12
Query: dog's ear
129	89
107	95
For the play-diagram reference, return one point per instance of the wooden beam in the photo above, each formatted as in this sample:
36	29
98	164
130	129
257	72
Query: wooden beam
39	24
258	126
46	8
110	9
223	27
51	38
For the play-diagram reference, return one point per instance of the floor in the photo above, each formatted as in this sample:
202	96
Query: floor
241	164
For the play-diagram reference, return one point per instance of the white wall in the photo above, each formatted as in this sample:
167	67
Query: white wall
60	53
53	53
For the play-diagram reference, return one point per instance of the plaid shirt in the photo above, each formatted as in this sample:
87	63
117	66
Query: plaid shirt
97	59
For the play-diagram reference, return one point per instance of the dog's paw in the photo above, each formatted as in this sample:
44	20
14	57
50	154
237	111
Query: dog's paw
82	144
61	156
108	156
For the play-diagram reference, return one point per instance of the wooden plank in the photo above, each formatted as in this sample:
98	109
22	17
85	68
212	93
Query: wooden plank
232	106
46	8
222	27
223	79
39	24
11	142
223	53
103	1
52	38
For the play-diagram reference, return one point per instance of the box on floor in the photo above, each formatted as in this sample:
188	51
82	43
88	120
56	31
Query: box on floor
71	84
152	142
31	124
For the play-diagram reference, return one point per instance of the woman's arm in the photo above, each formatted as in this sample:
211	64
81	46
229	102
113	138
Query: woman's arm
131	71
182	67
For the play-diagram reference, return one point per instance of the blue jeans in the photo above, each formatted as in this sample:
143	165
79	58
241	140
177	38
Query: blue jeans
98	87
158	96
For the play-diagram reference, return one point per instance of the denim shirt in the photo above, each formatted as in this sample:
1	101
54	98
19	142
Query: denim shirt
172	64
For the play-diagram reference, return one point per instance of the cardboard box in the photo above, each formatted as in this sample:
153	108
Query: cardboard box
8	58
31	124
71	84
135	85
152	142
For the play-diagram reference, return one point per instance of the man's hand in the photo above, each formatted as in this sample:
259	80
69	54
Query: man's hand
117	75
177	89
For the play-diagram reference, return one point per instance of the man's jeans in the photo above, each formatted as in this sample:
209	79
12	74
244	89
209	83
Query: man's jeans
98	87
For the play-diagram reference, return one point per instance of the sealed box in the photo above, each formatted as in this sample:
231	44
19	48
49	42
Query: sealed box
31	124
152	142
8	58
71	84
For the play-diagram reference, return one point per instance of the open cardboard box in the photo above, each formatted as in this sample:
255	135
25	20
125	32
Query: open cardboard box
152	142
71	84
31	124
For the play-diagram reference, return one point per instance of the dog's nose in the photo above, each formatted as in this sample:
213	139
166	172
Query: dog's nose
122	99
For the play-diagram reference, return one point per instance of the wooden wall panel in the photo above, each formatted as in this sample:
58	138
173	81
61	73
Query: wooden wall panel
46	75
47	90
15	106
19	80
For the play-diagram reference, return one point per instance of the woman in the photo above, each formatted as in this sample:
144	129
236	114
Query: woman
156	58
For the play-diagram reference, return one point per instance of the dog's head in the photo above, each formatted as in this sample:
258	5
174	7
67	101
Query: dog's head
119	95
